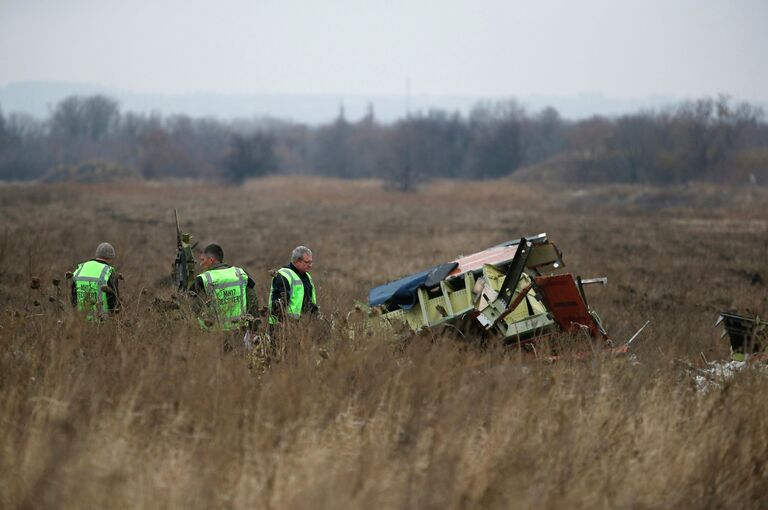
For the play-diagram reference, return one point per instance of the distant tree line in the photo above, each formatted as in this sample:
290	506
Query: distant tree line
707	138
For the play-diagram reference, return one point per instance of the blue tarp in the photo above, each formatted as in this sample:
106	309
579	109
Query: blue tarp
402	292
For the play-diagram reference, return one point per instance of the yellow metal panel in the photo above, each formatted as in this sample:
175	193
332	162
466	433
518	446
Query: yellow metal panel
422	294
493	276
529	325
537	306
447	298
469	284
459	301
415	318
518	314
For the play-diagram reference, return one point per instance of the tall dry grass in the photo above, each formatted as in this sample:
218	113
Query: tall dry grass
150	412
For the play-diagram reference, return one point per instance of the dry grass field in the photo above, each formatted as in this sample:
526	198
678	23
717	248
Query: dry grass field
148	412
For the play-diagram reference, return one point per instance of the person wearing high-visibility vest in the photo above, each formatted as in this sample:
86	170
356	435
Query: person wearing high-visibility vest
94	285
227	293
293	292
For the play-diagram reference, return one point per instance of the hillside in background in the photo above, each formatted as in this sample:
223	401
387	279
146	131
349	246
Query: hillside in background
38	99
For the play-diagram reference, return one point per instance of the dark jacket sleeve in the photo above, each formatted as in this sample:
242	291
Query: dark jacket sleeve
198	297
198	287
251	299
279	292
113	298
307	306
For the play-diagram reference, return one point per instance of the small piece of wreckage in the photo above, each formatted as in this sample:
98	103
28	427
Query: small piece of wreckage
501	292
748	336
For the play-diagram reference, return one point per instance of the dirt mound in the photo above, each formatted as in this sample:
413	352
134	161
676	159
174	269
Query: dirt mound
556	169
91	172
575	168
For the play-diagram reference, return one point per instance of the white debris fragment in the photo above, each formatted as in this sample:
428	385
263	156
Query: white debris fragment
718	372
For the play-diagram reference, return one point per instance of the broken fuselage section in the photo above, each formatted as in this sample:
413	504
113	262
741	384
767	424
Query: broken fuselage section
501	292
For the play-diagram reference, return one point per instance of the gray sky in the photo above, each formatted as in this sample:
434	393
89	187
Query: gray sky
619	48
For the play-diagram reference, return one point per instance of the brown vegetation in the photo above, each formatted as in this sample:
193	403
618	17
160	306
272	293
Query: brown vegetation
91	172
147	411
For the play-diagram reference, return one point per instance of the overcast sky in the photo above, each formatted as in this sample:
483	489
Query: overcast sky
619	48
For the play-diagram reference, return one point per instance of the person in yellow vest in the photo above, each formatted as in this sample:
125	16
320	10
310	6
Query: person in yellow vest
227	294
94	285
293	291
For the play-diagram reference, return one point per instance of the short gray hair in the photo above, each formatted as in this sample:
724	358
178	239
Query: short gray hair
299	252
105	251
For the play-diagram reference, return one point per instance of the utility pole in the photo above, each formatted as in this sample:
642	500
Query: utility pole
408	98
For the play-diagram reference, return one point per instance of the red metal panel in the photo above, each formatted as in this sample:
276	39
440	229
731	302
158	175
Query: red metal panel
564	302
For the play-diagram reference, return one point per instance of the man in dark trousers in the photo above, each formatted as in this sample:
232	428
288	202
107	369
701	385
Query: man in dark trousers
293	291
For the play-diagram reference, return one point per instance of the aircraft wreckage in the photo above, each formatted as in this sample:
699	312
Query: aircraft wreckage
507	291
748	336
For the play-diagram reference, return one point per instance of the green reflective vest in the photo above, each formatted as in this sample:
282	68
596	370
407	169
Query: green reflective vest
88	279
226	289
296	293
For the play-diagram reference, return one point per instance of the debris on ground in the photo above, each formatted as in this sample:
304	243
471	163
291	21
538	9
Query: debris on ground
507	292
717	373
748	336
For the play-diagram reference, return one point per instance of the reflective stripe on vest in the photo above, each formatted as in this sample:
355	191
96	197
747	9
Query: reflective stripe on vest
227	288
295	292
89	278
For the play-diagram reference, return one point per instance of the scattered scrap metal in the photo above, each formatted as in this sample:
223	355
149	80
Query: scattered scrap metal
501	292
748	336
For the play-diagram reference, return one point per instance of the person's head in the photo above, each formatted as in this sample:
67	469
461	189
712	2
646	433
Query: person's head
301	257
211	255
105	252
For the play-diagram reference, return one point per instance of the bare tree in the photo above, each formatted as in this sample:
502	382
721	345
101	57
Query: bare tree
252	156
85	117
